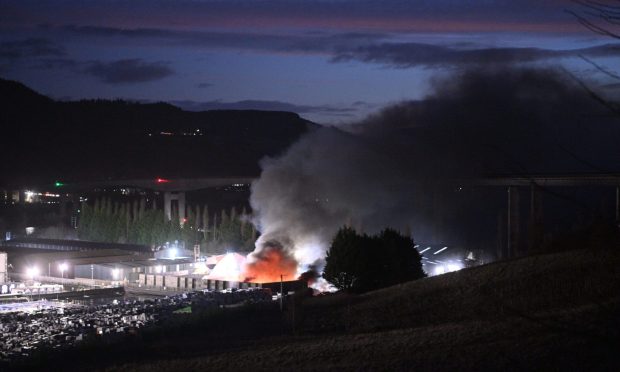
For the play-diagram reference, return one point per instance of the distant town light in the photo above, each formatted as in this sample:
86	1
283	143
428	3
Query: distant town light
441	250
29	196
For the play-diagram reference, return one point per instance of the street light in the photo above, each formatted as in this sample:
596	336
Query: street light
63	267
32	272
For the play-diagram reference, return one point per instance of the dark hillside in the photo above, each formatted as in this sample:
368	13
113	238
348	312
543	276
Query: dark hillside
97	139
519	288
548	312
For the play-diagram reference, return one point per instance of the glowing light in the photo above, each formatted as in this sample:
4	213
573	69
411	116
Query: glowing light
447	268
173	253
162	180
63	267
425	249
441	250
58	184
29	196
230	267
158	269
115	273
268	265
32	272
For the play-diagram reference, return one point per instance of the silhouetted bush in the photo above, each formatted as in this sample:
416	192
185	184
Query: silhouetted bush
362	263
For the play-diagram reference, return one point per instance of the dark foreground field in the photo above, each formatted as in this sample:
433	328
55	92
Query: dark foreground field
549	312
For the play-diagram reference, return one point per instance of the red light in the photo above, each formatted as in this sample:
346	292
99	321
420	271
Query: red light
162	180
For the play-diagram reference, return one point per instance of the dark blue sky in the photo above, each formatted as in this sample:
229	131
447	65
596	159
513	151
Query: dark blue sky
331	61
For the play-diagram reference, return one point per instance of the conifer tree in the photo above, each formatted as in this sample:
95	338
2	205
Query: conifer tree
85	225
243	224
205	223
135	211
142	208
214	231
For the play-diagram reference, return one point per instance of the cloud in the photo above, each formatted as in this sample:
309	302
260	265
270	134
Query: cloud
40	53
127	71
368	47
408	15
123	71
204	85
267	106
30	48
55	63
406	55
280	42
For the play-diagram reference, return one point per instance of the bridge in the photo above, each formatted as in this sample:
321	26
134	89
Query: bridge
173	189
537	183
159	184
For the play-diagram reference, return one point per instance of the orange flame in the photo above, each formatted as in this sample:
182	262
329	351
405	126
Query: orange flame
269	263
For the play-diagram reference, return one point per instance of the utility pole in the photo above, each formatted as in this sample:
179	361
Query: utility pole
281	291
618	205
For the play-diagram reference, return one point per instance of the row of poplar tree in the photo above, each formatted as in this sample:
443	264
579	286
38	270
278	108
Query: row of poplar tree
140	222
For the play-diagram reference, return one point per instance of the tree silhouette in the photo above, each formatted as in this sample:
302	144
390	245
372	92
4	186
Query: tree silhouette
599	16
362	263
602	18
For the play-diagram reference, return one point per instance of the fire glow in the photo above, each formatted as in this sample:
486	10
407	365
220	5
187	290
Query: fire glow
269	263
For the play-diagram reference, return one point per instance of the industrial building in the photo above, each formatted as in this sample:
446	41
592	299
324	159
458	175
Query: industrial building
24	244
135	267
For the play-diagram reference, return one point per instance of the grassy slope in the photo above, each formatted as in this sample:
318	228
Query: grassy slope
558	312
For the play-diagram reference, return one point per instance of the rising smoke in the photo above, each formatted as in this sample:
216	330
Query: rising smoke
378	172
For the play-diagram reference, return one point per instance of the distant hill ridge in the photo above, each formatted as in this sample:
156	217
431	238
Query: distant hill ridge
46	140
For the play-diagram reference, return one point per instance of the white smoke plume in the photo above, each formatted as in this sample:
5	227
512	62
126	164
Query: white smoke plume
476	123
324	181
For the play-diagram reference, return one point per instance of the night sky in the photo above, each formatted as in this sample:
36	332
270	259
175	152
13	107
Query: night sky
330	61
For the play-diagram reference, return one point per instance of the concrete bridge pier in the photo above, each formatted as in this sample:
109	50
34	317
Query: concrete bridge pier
536	229
515	244
513	219
169	198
